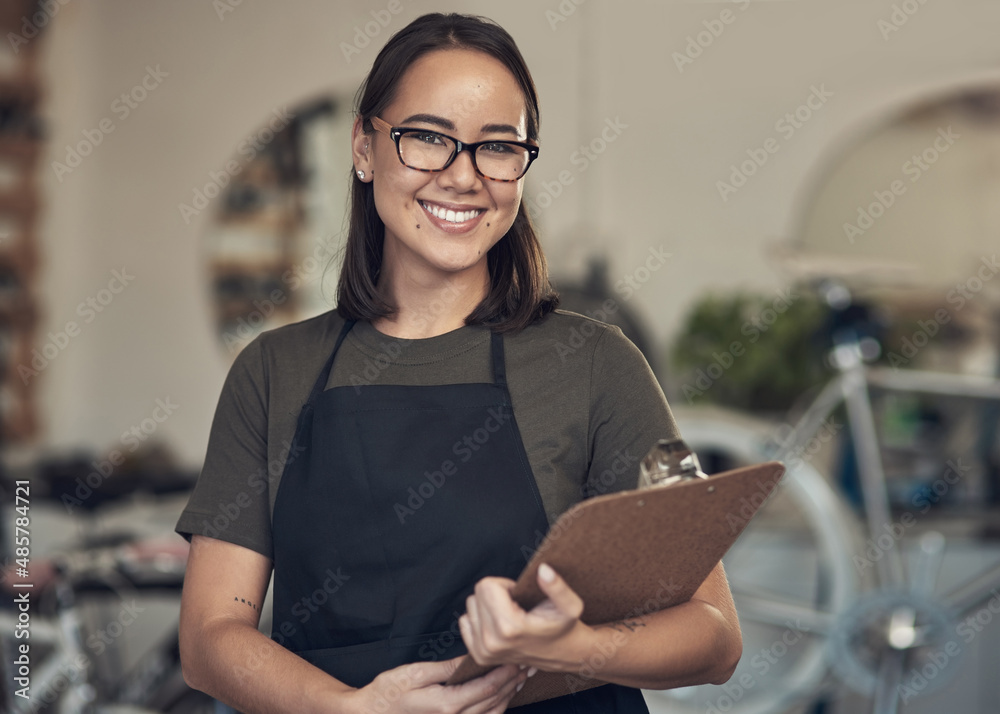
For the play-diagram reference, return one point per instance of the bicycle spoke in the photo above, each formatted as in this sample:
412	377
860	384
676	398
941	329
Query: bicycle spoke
890	676
928	566
768	611
756	590
973	593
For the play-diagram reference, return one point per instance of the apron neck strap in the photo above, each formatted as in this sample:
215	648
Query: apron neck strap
499	364
324	375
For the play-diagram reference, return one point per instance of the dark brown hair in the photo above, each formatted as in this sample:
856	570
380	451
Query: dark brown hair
519	292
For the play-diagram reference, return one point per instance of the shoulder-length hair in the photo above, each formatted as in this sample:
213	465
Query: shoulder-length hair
520	292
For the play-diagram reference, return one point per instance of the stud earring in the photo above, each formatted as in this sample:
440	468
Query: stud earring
361	175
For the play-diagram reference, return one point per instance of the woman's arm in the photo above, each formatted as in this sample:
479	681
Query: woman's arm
224	655
697	642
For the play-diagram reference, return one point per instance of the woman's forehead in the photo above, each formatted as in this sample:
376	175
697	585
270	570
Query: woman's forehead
465	87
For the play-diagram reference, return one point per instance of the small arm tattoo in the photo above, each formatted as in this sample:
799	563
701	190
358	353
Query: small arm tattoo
246	602
630	625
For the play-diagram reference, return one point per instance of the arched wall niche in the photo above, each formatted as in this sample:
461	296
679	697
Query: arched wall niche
905	210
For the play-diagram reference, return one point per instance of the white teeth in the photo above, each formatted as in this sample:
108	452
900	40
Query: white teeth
450	216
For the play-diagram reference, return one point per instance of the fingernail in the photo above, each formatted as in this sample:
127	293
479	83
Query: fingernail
520	686
533	671
546	573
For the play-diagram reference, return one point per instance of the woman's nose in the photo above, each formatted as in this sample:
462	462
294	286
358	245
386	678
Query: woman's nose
461	174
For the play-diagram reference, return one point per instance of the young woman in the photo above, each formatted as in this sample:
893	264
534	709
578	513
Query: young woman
393	461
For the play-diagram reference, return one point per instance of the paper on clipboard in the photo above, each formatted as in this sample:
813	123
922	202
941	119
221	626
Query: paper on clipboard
632	553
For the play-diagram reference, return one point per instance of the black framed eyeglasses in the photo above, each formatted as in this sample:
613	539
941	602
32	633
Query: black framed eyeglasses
432	151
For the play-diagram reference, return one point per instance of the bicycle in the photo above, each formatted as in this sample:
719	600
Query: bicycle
77	672
895	640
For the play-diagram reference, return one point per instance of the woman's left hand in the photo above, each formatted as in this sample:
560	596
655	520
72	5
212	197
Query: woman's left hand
496	630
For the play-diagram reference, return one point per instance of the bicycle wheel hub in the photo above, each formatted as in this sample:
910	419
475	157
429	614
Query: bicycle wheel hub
884	622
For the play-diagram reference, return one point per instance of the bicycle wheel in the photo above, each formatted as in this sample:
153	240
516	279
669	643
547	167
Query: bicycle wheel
790	573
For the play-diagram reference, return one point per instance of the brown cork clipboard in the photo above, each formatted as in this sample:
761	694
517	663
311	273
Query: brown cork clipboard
636	552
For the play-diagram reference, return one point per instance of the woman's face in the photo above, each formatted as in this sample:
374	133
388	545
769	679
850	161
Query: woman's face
472	97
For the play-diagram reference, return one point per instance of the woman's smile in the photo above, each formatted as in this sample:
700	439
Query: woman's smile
452	218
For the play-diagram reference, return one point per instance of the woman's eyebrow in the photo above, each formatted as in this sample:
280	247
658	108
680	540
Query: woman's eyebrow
449	125
430	119
499	129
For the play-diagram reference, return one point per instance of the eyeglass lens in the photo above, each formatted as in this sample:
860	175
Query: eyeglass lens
430	151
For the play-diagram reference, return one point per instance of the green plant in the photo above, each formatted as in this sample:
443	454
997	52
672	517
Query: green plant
751	351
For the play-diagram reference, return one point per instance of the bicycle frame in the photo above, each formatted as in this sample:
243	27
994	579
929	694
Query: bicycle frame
851	387
63	673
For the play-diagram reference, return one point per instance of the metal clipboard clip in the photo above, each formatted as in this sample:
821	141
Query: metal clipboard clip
670	461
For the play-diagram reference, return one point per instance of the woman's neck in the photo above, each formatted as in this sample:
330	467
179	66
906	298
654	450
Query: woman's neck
429	307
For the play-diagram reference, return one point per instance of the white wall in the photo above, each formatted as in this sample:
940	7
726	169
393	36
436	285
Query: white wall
655	185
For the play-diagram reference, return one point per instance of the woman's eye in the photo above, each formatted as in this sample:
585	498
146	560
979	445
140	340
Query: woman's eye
429	138
498	148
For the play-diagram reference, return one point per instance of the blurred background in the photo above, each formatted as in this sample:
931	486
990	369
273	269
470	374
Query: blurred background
767	195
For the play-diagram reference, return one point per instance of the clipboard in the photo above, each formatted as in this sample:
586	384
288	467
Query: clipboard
632	553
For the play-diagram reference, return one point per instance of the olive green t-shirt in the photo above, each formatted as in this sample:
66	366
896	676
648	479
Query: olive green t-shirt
585	401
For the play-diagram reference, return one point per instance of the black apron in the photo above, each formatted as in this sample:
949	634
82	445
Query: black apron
393	503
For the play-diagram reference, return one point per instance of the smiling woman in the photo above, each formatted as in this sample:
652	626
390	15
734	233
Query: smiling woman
424	243
418	440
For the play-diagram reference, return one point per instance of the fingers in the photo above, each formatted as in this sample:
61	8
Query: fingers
416	688
493	691
492	621
496	630
423	674
563	597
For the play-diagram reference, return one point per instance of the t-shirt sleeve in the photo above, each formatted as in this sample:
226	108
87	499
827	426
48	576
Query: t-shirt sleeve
230	500
628	414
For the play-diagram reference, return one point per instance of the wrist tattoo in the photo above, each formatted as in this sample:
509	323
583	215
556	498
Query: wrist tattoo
246	602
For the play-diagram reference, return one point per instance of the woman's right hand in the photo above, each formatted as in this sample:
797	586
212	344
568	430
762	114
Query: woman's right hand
417	689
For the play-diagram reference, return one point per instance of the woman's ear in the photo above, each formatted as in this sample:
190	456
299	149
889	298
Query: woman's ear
361	151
